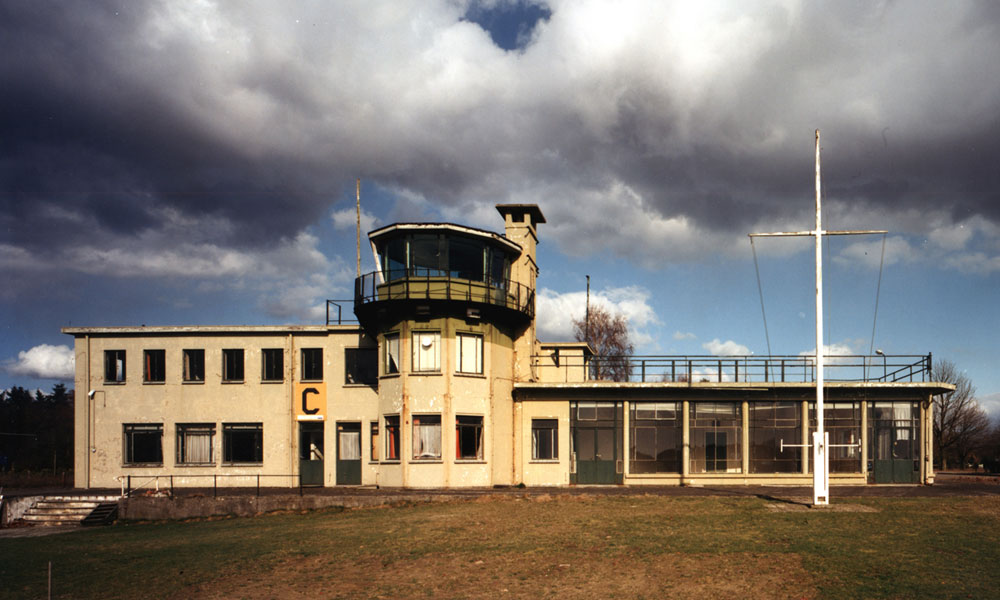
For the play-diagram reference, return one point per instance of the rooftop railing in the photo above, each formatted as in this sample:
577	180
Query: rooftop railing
742	369
428	284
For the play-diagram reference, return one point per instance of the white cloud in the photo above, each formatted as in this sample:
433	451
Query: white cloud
726	348
347	220
44	362
683	335
556	312
991	404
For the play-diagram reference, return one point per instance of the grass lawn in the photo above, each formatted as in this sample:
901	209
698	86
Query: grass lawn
504	547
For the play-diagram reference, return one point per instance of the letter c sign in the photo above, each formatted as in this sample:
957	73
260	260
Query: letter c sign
305	401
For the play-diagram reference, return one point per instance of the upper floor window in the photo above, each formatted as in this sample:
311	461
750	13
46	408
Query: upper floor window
469	353
390	362
194	365
426	351
272	364
443	255
114	366
154	365
312	364
360	366
232	365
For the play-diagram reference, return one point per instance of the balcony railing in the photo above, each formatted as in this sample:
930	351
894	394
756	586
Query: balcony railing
424	284
740	369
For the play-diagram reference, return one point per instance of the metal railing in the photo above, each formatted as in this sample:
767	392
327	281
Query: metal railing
133	484
743	369
335	313
430	284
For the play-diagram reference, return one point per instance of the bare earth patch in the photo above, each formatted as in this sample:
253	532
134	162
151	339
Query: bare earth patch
802	505
739	575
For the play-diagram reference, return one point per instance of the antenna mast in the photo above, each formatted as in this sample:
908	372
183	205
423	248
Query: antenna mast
357	191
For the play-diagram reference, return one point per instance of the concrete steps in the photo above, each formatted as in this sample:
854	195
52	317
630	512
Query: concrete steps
54	511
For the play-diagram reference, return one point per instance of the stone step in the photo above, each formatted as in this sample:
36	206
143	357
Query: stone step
64	510
51	505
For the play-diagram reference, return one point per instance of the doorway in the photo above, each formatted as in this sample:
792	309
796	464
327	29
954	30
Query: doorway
348	453
311	453
895	443
596	436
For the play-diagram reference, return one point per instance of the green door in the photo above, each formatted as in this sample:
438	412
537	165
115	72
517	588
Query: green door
348	453
596	456
895	449
311	453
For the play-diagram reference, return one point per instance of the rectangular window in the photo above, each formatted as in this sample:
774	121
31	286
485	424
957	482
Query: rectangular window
842	421
716	434
194	365
374	441
392	437
360	366
243	442
312	364
656	437
272	364
390	364
426	351
544	439
469	438
773	427
194	443
143	444
427	437
154	366
469	353
114	366
232	365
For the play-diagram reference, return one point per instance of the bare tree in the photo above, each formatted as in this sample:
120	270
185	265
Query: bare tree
608	336
960	424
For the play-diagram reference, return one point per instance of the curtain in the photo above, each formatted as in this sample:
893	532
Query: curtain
350	445
197	447
427	439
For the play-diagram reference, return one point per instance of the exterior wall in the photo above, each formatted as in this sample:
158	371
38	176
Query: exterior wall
533	472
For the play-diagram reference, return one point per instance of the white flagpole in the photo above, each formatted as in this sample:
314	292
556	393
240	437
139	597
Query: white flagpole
821	482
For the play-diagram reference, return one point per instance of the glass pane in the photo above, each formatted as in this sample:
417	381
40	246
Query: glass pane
605	444
425	256
466	259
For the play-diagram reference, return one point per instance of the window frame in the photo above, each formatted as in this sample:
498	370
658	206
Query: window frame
476	339
154	366
268	355
390	356
464	423
311	364
228	377
120	374
355	370
183	430
129	434
193	369
418	351
373	442
423	445
545	424
393	441
255	429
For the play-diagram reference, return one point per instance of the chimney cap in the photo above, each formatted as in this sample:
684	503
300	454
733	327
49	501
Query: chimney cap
518	210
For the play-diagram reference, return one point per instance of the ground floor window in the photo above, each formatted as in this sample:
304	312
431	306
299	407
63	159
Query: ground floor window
469	438
143	443
716	437
373	440
656	436
194	443
392	437
774	428
842	420
243	442
544	439
427	437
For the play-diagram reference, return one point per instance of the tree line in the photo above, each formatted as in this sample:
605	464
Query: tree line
36	429
963	433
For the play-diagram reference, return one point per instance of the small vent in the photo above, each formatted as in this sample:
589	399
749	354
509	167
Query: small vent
472	314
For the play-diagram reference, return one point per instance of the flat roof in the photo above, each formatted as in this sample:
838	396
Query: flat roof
451	227
208	329
927	387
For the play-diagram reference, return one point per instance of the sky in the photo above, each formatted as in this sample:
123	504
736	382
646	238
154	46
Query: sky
182	163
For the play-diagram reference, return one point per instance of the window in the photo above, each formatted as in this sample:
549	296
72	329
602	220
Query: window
232	365
312	364
391	363
194	365
272	364
655	441
427	437
194	443
392	437
716	434
360	366
143	444
426	351
544	439
243	442
469	438
373	450
469	353
154	365
774	426
114	366
842	420
466	258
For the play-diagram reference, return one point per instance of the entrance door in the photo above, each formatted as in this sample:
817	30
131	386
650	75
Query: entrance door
348	453
311	453
597	438
895	451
